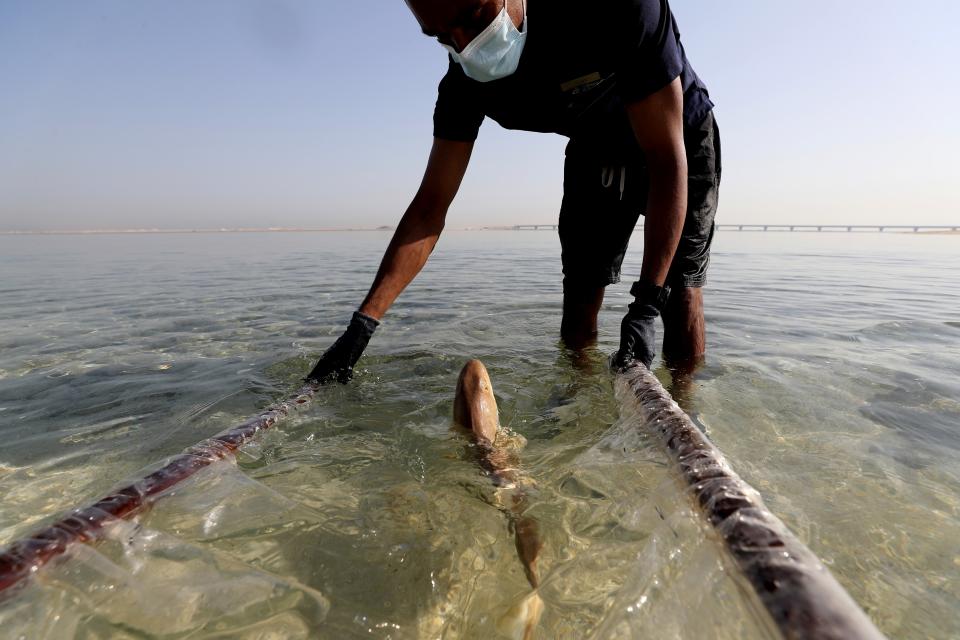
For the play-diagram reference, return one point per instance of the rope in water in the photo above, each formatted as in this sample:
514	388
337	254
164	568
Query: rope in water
23	558
802	597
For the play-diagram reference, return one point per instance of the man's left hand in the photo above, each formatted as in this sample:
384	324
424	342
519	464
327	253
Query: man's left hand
638	330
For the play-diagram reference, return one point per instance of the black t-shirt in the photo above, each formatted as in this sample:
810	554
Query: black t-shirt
581	63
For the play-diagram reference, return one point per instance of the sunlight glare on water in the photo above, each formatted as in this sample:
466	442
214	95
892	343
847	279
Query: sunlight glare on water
830	386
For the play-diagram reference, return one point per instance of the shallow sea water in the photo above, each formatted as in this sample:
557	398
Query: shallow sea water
832	385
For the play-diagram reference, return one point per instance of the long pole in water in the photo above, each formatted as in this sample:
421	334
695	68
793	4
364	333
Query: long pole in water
23	558
801	596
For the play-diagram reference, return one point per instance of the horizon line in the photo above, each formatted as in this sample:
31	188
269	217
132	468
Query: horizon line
213	230
158	230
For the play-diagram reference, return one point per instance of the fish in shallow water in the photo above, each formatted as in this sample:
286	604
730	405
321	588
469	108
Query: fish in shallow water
475	409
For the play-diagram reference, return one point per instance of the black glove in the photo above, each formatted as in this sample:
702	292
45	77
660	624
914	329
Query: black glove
338	361
638	329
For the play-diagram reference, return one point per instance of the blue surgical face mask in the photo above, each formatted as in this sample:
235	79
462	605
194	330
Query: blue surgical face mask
495	53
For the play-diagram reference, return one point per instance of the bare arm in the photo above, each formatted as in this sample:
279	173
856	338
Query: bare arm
420	227
657	122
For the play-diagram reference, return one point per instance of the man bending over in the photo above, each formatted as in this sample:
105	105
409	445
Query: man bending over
612	76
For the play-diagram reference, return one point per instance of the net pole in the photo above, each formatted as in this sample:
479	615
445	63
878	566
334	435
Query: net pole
802	597
23	558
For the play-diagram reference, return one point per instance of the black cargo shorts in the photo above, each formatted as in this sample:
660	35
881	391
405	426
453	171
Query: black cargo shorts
603	199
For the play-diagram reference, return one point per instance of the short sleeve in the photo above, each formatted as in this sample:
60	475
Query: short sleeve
648	50
457	115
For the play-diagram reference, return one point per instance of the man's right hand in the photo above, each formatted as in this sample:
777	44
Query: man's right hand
412	242
338	361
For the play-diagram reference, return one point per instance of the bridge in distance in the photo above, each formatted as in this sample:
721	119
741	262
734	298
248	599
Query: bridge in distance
850	228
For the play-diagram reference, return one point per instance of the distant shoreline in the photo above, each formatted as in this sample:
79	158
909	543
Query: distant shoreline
96	232
100	232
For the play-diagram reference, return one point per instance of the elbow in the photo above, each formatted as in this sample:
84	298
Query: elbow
429	212
424	217
668	171
667	162
436	224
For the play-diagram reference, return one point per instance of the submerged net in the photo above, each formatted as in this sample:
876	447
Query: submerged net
226	555
25	557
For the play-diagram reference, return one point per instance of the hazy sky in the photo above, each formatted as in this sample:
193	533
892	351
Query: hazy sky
179	113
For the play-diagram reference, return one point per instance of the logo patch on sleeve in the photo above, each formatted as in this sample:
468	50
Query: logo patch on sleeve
583	83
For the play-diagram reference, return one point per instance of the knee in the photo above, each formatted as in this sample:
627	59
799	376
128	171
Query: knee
581	305
579	337
684	336
578	330
685	305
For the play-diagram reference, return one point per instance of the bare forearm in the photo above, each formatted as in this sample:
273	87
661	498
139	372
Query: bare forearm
412	243
657	121
666	211
420	227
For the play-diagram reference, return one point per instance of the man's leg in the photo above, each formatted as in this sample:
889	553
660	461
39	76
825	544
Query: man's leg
581	306
684	338
597	218
684	342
